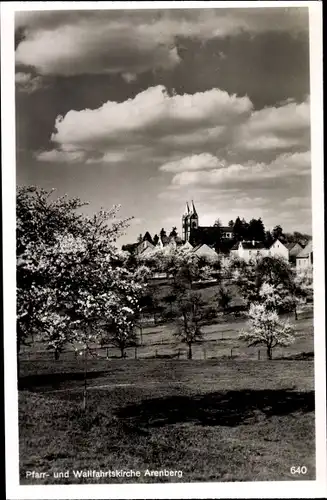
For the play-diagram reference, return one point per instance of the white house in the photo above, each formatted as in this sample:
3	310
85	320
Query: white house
205	251
304	259
278	249
248	250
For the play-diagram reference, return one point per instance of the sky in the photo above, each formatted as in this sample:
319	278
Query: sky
150	108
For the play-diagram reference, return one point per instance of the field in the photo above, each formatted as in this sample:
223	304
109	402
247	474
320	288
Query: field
221	418
220	340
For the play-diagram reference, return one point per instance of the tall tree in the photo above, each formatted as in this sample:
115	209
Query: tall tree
238	229
155	239
277	233
173	232
257	230
188	326
163	233
269	238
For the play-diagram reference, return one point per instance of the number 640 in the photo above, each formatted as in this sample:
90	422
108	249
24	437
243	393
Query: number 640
299	470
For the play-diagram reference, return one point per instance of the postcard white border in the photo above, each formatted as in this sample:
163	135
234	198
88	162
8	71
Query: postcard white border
273	489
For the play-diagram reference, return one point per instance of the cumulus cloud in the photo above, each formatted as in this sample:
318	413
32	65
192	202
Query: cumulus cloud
150	116
208	138
196	162
131	42
286	165
276	128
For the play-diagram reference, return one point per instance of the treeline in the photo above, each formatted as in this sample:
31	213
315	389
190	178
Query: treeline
242	231
255	230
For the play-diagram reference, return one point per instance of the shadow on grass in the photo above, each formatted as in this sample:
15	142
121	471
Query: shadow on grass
301	356
227	409
55	380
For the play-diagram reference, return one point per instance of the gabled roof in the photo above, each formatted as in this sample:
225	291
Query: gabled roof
235	247
294	248
275	241
226	229
205	248
255	245
289	246
306	251
187	244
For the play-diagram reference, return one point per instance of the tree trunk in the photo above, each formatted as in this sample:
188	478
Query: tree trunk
18	359
189	354
56	354
295	313
122	352
269	352
85	381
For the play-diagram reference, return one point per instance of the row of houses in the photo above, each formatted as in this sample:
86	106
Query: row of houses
246	250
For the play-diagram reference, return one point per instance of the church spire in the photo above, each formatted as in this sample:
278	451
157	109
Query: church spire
187	210
193	209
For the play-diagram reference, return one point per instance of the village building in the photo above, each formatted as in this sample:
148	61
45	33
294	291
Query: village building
219	241
294	249
249	250
205	251
278	249
304	260
144	248
196	234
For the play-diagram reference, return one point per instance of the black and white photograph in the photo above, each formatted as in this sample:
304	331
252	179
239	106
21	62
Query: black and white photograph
164	249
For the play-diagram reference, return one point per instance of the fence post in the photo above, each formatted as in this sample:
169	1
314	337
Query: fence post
156	353
231	353
259	354
135	352
107	352
179	353
204	354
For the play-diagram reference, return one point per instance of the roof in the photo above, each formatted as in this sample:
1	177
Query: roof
306	251
226	229
205	247
294	248
291	245
255	245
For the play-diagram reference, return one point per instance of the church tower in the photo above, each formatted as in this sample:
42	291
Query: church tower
186	223
190	220
194	218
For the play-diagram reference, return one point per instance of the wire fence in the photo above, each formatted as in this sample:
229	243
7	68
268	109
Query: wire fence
207	351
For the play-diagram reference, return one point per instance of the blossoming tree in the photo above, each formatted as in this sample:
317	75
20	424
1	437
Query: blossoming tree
266	328
71	280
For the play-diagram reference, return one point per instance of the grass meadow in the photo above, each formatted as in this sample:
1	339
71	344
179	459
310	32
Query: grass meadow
215	418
